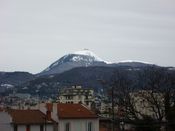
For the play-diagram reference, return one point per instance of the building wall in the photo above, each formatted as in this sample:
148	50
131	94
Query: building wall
5	121
34	128
49	128
78	124
76	95
21	128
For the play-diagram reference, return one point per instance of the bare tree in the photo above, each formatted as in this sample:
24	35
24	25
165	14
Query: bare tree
154	86
122	86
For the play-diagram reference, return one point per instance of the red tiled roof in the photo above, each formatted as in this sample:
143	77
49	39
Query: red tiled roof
28	117
74	111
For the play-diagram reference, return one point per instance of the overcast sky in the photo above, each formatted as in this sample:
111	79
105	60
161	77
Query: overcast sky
35	33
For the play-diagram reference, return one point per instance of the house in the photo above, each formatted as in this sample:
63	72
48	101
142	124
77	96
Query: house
71	117
77	94
26	120
76	117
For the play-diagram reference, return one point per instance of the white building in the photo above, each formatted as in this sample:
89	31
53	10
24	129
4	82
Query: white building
72	117
75	117
5	120
77	94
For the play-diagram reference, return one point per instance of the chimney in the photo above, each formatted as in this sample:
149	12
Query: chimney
48	115
49	107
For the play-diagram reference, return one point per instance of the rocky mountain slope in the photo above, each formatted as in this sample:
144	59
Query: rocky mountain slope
85	58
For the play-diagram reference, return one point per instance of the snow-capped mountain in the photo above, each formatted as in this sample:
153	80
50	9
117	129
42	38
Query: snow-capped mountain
85	58
88	53
82	58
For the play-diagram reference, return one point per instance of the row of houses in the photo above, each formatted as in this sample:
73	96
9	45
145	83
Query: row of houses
51	117
74	94
72	112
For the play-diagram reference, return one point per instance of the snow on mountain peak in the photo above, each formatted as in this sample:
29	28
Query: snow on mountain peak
131	61
88	53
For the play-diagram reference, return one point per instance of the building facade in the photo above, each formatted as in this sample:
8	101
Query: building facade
5	120
76	94
79	118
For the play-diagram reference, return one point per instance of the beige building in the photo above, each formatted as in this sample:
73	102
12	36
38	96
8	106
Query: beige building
76	94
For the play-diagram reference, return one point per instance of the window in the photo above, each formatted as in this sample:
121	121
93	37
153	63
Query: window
89	126
67	126
69	97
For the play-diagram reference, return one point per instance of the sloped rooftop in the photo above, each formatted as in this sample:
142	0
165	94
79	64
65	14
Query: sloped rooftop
74	111
28	117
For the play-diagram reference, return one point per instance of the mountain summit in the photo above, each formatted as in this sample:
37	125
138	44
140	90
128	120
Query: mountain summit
89	53
85	58
82	58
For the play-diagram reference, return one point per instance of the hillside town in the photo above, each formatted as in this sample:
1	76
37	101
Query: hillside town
87	65
81	92
141	98
81	109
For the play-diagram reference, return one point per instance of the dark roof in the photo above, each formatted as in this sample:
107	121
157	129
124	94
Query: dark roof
74	111
28	117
